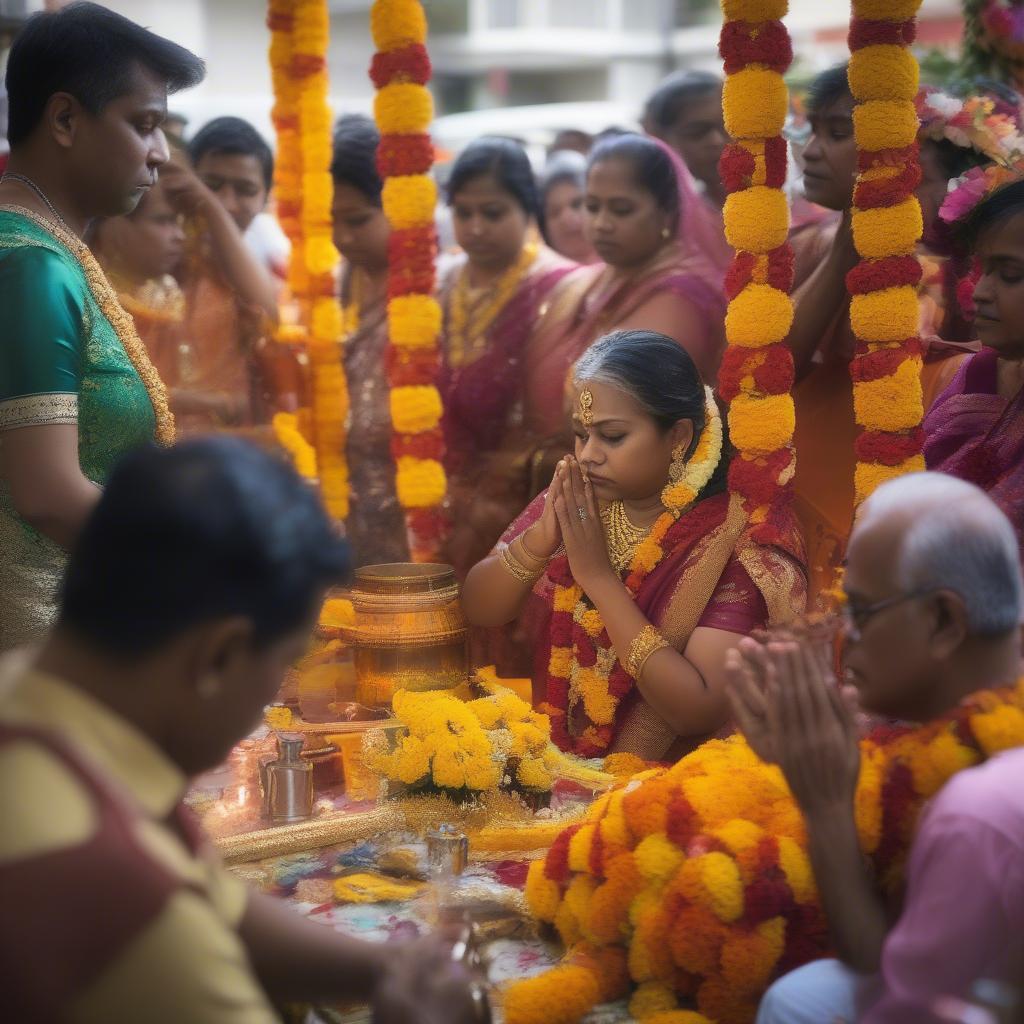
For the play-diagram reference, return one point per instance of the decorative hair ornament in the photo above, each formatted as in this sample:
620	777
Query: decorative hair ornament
587	407
687	479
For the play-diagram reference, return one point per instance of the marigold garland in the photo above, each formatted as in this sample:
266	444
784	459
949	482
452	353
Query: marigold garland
404	109
886	228
757	373
300	31
699	873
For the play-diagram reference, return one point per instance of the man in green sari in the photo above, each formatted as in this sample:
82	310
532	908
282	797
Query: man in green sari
87	97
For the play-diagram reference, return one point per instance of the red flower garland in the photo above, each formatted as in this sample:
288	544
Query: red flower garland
775	269
412	63
866	32
401	155
756	42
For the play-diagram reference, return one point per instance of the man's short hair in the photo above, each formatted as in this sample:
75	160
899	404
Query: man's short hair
92	53
957	540
207	529
665	105
233	136
827	88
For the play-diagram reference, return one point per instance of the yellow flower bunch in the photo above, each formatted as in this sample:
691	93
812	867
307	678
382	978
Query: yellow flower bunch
409	200
289	437
757	218
420	483
415	409
884	81
403	108
761	425
759	316
699	469
397	23
756	102
415	321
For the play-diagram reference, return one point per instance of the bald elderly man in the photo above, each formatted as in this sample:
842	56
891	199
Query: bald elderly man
934	593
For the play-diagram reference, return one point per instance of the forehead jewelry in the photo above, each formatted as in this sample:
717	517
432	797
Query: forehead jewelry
586	407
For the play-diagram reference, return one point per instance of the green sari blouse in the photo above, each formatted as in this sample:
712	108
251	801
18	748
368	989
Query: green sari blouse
61	362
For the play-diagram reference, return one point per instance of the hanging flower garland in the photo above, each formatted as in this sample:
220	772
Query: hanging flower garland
582	664
699	873
756	375
887	224
404	109
300	31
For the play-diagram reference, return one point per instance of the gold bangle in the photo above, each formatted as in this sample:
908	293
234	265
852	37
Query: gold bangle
647	642
526	557
526	548
519	571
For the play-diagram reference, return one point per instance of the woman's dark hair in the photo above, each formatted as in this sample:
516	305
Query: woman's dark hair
209	528
665	105
504	160
566	165
354	162
91	53
233	136
1004	203
827	88
652	166
659	374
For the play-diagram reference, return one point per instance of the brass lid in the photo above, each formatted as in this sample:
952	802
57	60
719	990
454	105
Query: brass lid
396	578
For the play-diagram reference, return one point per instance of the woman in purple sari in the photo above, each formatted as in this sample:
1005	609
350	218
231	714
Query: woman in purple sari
492	296
975	430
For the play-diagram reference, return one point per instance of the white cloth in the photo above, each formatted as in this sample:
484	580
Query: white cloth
821	992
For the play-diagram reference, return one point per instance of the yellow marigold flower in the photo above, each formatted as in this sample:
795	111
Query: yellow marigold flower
884	72
658	858
561	662
600	705
886	10
559	996
888	230
760	315
1000	729
757	219
749	957
624	765
420	483
577	896
397	23
868	799
579	849
415	409
320	255
755	102
368	888
591	622
893	402
532	774
888	315
797	868
677	1017
414	321
542	894
412	759
761	424
739	834
869	476
722	885
565	598
933	763
650	998
277	717
754	10
403	108
327	319
487	711
337	611
885	124
409	200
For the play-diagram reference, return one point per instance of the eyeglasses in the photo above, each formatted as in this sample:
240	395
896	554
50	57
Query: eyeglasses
856	618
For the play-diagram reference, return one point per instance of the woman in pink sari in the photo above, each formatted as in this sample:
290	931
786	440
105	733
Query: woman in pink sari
975	430
636	572
660	273
491	296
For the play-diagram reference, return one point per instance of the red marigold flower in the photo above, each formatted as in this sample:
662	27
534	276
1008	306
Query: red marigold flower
430	524
891	272
305	65
766	898
556	864
888	449
428	445
409	64
399	155
865	32
874	365
620	682
681	821
867	159
736	167
280	21
419	281
776	154
738	276
757	479
406	369
869	195
561	629
755	42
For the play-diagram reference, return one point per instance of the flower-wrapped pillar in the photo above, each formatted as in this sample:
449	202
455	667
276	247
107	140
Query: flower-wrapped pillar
757	371
404	110
887	225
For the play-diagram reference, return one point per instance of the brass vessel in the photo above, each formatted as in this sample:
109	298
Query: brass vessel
409	631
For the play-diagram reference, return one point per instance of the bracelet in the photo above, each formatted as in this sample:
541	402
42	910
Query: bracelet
647	642
528	555
519	571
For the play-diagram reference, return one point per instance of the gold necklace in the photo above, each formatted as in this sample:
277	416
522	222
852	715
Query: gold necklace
622	536
467	328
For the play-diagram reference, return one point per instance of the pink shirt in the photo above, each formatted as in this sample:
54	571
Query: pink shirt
963	918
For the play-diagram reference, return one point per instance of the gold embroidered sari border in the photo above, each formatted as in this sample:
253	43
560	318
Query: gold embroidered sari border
60	408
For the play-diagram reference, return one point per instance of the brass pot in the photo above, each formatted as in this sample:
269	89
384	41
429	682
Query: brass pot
409	631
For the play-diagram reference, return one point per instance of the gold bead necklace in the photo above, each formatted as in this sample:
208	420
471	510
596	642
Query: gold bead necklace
622	536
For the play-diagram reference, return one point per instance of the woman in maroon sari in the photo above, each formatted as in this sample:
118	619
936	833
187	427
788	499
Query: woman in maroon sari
649	226
492	296
975	430
636	572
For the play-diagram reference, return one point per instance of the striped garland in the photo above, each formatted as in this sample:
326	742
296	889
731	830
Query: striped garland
403	109
887	226
756	376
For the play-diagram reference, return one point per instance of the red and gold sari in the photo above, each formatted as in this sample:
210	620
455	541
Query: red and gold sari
713	575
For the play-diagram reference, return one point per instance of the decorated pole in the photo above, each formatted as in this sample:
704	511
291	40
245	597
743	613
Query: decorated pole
300	31
756	376
887	224
404	109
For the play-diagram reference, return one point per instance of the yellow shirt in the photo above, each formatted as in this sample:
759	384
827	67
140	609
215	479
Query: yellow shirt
188	964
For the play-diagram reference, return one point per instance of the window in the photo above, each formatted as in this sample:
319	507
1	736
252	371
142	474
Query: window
579	13
503	14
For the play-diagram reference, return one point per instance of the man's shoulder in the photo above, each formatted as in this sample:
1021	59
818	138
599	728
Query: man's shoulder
989	793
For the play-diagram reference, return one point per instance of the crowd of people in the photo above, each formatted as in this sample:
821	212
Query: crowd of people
589	516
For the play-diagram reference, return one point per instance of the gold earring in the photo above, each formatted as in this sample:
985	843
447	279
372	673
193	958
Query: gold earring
209	686
678	466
